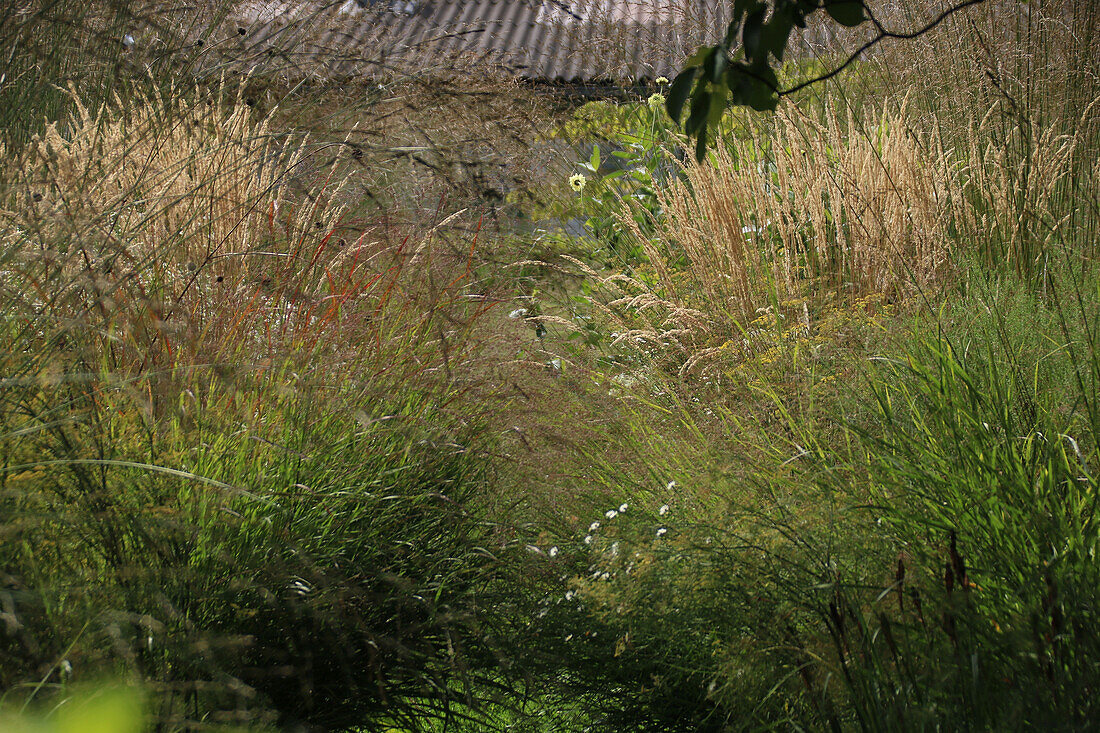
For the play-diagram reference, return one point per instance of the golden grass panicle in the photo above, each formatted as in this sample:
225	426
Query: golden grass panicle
801	208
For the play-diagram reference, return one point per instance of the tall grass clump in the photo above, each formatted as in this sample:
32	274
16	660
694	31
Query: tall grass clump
236	467
1015	86
786	215
98	46
151	218
977	455
917	552
886	519
838	196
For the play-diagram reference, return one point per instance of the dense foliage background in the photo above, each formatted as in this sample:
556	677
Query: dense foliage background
437	402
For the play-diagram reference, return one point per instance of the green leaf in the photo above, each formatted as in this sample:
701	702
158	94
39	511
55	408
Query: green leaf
766	75
846	12
715	65
110	710
777	32
743	7
754	87
717	105
700	109
731	32
679	91
759	97
750	37
701	147
594	161
697	58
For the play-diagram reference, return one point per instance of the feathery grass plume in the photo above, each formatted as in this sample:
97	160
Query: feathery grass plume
1033	191
225	406
1012	87
97	46
809	207
167	223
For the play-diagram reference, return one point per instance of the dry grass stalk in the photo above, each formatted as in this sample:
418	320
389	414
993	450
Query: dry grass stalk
170	228
809	207
1026	185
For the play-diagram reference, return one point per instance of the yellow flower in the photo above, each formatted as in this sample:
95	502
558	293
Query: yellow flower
661	80
577	182
656	100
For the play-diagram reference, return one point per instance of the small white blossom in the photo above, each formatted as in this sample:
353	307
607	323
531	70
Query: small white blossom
623	508
611	514
518	313
588	539
554	551
593	527
614	549
663	510
604	575
670	486
661	531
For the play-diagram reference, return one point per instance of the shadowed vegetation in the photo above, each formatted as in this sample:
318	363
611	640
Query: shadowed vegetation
431	402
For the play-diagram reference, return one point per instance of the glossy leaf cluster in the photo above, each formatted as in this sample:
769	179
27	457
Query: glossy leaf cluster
738	71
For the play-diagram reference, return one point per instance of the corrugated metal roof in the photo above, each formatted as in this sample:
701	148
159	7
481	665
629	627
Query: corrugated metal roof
547	40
